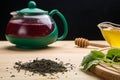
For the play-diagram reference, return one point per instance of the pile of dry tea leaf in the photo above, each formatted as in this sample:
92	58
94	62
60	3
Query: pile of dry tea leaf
42	66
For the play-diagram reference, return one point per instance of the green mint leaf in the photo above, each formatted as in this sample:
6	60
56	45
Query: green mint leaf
107	60
86	59
97	54
113	54
90	64
93	55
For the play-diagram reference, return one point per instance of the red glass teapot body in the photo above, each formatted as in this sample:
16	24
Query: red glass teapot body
26	26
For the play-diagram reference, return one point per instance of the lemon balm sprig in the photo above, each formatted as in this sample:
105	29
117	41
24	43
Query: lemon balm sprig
95	57
92	59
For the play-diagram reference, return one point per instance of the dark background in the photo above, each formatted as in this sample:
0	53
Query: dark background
82	15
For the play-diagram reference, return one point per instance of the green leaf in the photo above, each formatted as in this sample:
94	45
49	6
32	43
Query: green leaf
93	55
90	64
113	54
97	54
107	60
86	59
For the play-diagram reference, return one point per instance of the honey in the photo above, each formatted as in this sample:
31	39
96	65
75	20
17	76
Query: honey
111	34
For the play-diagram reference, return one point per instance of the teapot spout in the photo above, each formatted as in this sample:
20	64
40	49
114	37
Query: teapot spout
14	13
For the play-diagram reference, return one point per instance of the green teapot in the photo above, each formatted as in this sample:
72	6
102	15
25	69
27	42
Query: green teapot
32	28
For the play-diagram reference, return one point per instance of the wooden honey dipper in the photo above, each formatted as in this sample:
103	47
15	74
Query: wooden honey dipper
82	42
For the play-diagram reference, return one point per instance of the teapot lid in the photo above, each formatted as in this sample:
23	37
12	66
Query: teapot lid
32	9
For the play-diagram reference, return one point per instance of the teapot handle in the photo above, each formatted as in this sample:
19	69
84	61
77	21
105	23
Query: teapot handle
64	23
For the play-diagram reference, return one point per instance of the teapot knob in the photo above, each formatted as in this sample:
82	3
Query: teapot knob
32	4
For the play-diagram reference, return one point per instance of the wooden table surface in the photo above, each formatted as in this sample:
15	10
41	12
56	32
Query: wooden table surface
66	51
